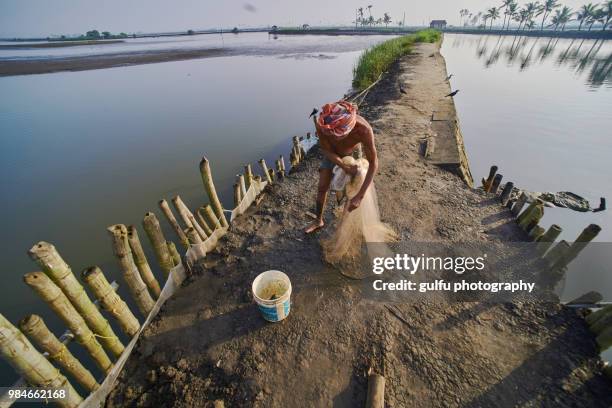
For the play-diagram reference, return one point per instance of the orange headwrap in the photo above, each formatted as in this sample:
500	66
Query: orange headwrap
338	118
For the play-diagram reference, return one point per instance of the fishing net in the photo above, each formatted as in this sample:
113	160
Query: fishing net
358	228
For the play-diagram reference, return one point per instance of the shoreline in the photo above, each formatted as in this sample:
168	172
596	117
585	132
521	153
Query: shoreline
209	342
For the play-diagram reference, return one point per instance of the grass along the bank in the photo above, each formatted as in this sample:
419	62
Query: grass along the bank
376	60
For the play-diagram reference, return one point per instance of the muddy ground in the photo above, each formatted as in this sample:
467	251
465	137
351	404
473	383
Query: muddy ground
210	346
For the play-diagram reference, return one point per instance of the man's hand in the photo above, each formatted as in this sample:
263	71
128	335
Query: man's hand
351	170
354	203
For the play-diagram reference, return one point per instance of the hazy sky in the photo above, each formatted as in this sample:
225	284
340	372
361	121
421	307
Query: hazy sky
19	18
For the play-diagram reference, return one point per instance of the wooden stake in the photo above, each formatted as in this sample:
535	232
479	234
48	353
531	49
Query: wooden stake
271	173
158	241
248	176
376	391
33	366
282	162
176	258
59	303
47	257
495	184
264	167
210	190
163	205
528	210
487	183
586	236
137	287
548	238
34	327
187	217
236	195
141	262
536	232
193	236
533	218
279	169
203	223
210	216
110	300
604	340
505	194
243	189
556	252
519	204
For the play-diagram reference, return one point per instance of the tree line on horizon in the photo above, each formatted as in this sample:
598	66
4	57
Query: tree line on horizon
553	15
371	21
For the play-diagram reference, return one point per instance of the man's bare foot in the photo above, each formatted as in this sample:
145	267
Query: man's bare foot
315	226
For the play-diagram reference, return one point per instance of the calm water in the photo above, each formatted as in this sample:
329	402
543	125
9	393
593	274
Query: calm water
84	150
540	108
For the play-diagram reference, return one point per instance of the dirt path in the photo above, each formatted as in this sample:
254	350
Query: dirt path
209	342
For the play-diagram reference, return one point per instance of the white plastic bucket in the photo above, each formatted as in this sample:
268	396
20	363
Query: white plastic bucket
272	293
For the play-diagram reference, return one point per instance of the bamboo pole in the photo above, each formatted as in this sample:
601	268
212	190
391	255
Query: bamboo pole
47	257
141	262
376	391
586	236
163	205
264	167
486	184
556	252
495	184
237	197
176	258
211	191
137	287
536	232
519	204
210	216
203	223
59	303
188	217
279	169
533	218
505	194
548	238
110	300
34	327
248	176
604	339
600	314
32	365
193	236
158	241
243	188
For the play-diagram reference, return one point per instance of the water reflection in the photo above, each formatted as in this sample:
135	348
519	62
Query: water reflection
591	59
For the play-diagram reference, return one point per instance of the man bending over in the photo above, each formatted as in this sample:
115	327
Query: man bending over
340	130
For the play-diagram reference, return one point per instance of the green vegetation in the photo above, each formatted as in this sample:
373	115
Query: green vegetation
376	60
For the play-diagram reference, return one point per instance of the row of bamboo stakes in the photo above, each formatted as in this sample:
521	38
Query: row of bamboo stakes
32	349
556	255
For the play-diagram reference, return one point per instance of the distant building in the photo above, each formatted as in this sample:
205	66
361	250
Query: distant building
437	24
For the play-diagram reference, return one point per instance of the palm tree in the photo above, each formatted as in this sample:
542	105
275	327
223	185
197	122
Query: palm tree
359	15
505	5
493	14
598	15
585	14
562	17
370	10
521	17
547	8
371	21
386	19
511	11
607	14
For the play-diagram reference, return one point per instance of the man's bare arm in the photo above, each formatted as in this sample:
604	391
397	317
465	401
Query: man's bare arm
370	154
